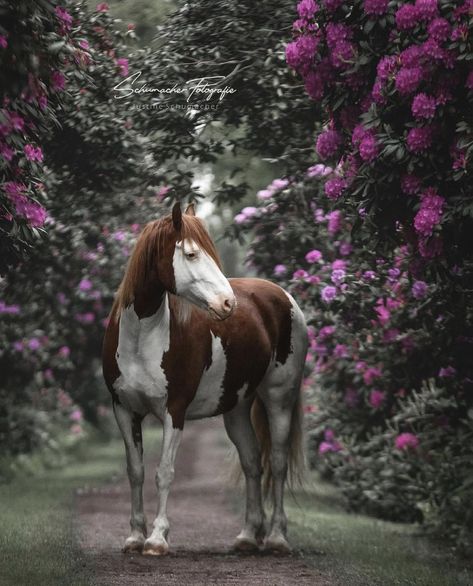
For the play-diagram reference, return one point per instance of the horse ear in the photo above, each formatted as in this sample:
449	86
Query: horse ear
177	216
190	209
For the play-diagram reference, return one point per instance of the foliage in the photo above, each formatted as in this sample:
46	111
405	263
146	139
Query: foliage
242	46
397	83
372	349
54	304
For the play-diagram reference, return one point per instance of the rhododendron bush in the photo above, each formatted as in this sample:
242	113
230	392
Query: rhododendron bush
380	335
397	84
79	147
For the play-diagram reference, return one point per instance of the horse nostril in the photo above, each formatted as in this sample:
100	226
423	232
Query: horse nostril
227	304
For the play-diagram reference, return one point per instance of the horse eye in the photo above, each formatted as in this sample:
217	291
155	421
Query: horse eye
190	255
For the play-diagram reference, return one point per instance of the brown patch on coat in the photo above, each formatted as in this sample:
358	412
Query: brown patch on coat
189	354
259	329
109	362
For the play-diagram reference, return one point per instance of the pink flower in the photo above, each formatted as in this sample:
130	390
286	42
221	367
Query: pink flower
334	222
76	415
300	53
424	106
6	152
85	285
335	187
64	351
447	372
328	143
338	276
313	256
123	66
408	79
419	289
280	270
300	274
369	148
375	7
306	8
76	429
33	153
64	17
102	7
16	121
405	441
58	81
3	42
419	139
340	351
406	17
34	344
370	374
410	184
377	398
85	318
328	293
162	192
18	346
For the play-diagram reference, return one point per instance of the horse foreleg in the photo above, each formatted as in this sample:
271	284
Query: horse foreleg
241	433
130	427
157	543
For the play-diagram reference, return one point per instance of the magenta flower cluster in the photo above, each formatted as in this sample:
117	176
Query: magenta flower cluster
420	74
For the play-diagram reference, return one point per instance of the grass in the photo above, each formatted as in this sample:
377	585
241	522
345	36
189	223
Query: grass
356	550
37	536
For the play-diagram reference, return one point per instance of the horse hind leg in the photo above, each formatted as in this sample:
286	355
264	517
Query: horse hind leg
280	403
241	433
130	427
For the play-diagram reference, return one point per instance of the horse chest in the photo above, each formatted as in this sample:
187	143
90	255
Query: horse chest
142	344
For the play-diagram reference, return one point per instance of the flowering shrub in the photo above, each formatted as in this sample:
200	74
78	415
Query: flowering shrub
396	81
36	41
378	331
53	305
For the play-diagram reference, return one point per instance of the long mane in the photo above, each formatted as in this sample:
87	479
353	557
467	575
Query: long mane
149	247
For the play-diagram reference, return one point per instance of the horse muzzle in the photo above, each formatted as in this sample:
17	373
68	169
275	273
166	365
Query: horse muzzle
222	306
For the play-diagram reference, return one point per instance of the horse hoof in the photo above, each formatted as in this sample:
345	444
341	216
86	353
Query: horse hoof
159	548
277	545
133	544
245	545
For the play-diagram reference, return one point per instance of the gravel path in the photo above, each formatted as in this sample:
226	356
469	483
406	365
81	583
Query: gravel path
203	527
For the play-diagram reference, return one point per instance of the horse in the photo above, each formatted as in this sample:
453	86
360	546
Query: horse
184	342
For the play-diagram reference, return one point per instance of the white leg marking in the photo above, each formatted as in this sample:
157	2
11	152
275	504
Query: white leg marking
135	469
157	543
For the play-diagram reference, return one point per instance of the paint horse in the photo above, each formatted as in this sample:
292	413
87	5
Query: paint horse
183	342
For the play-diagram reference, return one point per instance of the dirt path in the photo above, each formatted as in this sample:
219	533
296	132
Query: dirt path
203	527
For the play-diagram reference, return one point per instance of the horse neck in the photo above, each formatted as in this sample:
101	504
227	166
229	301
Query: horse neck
149	298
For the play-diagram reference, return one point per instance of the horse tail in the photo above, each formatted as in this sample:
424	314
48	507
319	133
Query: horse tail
296	460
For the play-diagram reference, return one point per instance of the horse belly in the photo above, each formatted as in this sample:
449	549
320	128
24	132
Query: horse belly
210	390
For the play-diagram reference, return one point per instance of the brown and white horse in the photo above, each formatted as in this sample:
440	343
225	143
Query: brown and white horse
184	342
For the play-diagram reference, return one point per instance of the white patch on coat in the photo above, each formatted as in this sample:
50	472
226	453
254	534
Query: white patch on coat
210	389
197	276
141	346
282	375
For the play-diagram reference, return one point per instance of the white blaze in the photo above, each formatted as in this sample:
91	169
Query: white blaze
197	276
